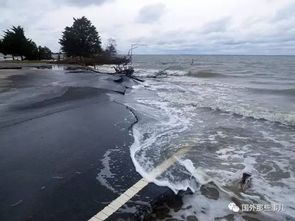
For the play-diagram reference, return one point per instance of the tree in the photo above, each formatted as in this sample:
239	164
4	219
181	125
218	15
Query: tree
30	50
44	53
14	41
111	48
81	39
1	46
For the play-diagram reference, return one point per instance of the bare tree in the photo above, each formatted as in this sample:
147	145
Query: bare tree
111	47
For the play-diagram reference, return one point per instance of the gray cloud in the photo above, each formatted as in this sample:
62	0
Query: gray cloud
150	13
3	3
285	13
215	40
220	25
269	33
84	2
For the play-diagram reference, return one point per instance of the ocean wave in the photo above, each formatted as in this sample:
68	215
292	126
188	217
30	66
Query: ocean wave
227	138
230	130
272	82
224	99
288	91
287	119
205	74
157	73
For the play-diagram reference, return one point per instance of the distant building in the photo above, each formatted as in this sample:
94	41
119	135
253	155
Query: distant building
5	57
9	57
18	58
58	56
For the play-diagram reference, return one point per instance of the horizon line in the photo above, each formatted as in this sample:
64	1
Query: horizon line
183	54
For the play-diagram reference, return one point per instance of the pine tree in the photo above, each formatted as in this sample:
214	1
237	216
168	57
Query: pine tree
81	39
14	41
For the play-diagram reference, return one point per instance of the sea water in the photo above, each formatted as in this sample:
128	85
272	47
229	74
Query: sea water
236	113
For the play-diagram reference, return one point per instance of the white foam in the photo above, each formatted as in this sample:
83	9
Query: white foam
105	68
151	73
170	114
202	207
105	173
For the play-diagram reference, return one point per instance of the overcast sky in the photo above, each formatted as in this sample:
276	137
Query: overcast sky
164	26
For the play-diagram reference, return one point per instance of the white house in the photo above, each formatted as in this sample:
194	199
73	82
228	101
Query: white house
1	57
5	57
58	56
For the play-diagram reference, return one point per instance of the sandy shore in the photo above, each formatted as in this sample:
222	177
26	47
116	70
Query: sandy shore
55	127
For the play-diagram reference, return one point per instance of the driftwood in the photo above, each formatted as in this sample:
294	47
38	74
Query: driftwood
128	71
127	68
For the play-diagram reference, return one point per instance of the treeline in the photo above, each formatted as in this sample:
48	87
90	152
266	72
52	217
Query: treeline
80	43
15	43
